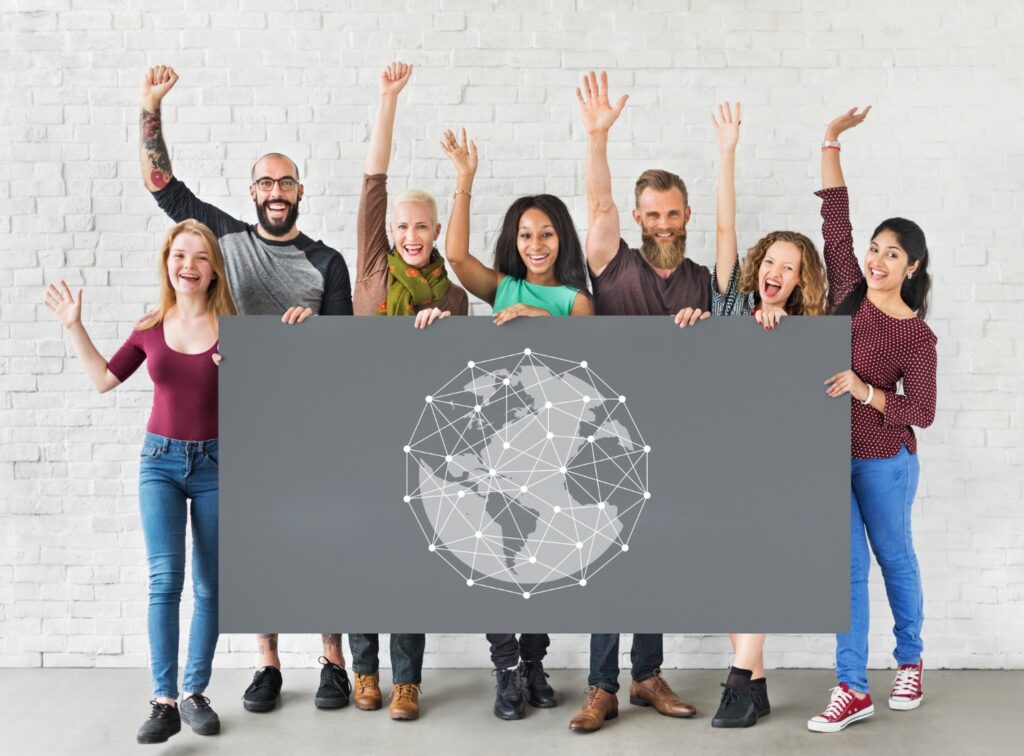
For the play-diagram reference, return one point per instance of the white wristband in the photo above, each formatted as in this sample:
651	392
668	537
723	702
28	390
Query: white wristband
871	394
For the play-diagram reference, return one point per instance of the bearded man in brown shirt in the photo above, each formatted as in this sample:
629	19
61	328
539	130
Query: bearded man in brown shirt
656	279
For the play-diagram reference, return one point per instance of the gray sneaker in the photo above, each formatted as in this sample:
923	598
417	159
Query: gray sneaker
196	712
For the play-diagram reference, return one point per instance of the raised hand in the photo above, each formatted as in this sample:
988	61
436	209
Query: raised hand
727	127
847	120
158	82
394	78
462	153
598	113
62	303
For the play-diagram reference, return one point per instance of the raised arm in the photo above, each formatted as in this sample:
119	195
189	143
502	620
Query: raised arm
392	81
603	232
478	279
154	157
831	168
727	127
68	310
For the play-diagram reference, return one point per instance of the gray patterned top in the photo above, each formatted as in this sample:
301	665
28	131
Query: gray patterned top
733	302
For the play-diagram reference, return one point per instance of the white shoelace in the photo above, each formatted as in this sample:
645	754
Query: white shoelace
840	699
907	682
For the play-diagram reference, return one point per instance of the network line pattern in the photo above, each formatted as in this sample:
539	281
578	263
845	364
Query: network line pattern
526	473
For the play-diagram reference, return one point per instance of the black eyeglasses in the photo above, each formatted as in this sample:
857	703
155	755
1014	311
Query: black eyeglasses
266	183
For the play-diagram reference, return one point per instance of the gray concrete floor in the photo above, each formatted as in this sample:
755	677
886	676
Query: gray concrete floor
85	711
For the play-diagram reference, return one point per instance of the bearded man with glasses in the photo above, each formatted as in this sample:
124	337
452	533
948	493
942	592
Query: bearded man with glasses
272	269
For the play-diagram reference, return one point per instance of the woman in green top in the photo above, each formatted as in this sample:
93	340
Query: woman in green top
538	259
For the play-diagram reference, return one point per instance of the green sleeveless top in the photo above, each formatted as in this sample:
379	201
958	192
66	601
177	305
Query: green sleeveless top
555	299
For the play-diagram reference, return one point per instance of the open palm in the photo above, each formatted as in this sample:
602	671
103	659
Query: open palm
598	112
847	120
62	303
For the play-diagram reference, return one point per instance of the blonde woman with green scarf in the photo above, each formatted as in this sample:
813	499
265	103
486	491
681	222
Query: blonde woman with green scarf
408	276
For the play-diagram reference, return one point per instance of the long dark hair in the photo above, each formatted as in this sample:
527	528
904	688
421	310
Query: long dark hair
914	290
569	266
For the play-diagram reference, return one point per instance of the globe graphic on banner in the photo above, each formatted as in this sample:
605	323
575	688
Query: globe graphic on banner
526	473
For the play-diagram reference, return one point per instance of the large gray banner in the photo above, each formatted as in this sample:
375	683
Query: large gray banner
548	475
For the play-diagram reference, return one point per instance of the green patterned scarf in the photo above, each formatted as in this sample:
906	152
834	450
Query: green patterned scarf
413	287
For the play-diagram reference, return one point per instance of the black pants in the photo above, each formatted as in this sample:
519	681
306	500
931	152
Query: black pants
406	655
646	655
507	650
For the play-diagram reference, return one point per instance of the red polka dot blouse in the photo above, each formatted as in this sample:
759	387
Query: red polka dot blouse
885	350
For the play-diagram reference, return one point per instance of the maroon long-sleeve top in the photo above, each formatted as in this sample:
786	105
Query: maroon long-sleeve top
885	350
184	385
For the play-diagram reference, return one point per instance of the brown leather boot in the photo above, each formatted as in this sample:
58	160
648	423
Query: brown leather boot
405	701
600	707
654	691
367	694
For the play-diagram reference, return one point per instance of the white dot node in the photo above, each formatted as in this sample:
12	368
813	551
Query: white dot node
563	469
550	435
579	544
622	398
625	547
600	505
583	364
406	499
506	382
590	439
557	509
461	494
526	594
431	547
406	449
479	534
428	399
547	405
647	494
586	399
647	450
533	560
523	489
506	445
527	351
583	582
471	364
476	408
492	472
447	457
470	582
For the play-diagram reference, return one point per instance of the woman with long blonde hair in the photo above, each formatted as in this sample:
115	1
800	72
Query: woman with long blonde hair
179	459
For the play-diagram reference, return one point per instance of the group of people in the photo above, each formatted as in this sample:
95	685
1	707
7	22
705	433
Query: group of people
212	264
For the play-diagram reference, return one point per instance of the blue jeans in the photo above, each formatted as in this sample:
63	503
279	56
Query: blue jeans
406	655
171	473
646	656
881	497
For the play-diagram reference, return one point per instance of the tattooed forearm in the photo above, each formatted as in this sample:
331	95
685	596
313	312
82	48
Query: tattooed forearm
156	161
331	640
267	643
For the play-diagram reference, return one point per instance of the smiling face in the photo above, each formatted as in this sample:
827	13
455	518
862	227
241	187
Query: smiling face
189	269
414	230
662	216
537	242
887	264
277	207
779	273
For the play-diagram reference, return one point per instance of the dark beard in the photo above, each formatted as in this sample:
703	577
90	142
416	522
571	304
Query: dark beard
664	256
277	229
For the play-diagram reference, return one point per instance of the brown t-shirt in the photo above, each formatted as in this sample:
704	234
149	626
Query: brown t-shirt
372	255
630	286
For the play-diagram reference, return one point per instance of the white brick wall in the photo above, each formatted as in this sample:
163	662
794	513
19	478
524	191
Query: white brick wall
942	146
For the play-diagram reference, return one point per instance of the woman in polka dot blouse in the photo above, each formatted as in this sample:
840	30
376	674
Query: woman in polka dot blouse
890	345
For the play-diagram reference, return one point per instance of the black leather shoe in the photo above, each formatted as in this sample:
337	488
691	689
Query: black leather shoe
195	711
335	688
163	722
510	699
264	690
538	692
736	709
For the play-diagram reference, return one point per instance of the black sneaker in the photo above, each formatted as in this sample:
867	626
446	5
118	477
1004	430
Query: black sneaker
759	692
538	692
510	699
334	687
736	709
196	712
162	723
265	690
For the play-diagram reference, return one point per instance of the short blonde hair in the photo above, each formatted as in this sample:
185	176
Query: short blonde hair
417	195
